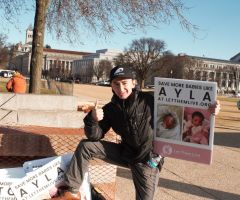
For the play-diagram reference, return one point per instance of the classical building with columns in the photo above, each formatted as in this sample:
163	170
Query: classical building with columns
59	63
56	63
82	68
225	72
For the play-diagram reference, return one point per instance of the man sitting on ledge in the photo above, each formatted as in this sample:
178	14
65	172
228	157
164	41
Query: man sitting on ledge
130	115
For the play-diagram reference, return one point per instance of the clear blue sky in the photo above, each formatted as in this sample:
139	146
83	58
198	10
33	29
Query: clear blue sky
218	35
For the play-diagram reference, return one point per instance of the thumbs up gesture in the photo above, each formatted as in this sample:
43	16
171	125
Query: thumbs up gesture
97	113
214	109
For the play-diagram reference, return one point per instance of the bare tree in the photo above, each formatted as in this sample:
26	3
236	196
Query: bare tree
187	66
98	70
88	72
66	18
102	69
171	66
164	66
37	46
4	51
122	59
142	55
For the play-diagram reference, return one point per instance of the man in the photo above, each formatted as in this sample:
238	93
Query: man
17	83
130	115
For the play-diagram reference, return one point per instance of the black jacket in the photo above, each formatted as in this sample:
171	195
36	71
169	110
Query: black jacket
132	119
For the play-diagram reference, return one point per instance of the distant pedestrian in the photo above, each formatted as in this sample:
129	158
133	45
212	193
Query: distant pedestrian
238	105
17	84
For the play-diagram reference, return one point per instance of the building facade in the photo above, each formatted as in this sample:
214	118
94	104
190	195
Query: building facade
82	68
225	72
56	63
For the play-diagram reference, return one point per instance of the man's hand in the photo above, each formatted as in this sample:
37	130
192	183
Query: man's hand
214	109
97	113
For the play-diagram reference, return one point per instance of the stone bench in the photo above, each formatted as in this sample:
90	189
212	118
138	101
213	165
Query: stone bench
40	110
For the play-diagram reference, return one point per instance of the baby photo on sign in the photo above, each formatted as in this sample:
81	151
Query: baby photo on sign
169	120
196	126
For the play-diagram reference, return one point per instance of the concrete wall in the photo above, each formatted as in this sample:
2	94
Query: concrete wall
41	110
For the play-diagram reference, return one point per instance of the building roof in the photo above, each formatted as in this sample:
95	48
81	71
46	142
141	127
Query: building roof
215	60
237	55
66	51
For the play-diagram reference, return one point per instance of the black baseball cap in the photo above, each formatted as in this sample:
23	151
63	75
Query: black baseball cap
122	72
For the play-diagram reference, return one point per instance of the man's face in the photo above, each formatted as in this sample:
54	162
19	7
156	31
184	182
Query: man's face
123	87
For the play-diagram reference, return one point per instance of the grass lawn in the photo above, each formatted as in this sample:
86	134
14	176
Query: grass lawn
3	88
229	99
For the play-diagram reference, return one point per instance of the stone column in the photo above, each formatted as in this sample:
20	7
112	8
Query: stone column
221	79
201	75
227	80
207	75
237	80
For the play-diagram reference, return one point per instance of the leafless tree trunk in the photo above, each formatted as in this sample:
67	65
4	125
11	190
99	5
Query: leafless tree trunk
4	51
37	46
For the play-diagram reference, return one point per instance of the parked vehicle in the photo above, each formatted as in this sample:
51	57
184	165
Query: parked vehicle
6	73
150	86
103	83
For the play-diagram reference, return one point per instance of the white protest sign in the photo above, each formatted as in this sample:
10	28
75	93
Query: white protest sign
7	177
183	126
5	190
32	165
85	188
40	182
179	92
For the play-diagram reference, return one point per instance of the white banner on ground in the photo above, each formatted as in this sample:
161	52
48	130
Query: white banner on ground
7	177
41	183
31	166
17	172
5	190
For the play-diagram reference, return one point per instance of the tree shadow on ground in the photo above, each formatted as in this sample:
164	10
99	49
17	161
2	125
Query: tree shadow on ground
199	191
188	188
227	139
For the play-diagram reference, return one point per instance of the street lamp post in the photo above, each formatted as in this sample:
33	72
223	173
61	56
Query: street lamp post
171	73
